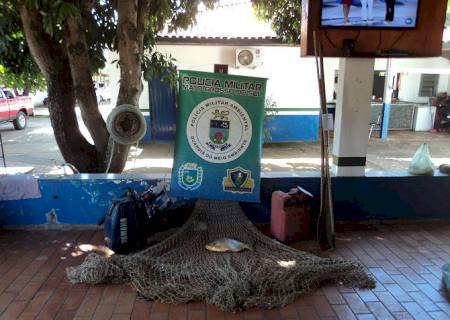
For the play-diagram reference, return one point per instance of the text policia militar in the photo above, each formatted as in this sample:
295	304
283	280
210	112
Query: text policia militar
242	88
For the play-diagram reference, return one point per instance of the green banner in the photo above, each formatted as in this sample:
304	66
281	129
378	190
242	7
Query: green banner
218	144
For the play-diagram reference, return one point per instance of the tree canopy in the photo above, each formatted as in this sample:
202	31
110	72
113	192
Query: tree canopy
67	40
64	42
284	15
17	67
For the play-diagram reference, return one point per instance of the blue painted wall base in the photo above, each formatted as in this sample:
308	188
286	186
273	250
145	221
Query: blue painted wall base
288	128
277	128
85	201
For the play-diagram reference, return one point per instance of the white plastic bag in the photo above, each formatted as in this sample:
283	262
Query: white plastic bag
421	162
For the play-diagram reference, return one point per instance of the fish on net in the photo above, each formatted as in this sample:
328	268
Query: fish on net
180	269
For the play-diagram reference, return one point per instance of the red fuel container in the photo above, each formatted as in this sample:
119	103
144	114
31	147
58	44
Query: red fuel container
290	215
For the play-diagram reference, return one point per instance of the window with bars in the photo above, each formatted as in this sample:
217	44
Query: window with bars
428	85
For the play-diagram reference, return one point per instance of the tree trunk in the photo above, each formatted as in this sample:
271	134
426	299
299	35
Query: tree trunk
52	61
129	53
26	89
77	52
64	84
131	15
74	148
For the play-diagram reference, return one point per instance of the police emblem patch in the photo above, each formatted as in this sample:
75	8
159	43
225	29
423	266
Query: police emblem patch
219	130
190	176
238	180
219	127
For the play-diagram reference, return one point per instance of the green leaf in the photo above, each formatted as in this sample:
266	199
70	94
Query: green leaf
284	16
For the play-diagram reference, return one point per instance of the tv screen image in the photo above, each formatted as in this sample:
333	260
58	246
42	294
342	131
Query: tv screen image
391	14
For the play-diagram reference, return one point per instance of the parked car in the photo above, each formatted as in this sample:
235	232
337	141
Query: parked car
40	98
102	91
15	109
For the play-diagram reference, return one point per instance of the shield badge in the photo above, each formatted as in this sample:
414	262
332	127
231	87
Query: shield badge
238	177
238	180
190	176
219	131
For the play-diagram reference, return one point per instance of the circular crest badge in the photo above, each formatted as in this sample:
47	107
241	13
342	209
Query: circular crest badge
219	130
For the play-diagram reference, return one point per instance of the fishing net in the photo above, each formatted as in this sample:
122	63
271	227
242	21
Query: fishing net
179	269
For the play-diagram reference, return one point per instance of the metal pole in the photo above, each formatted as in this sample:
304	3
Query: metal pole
325	223
386	110
3	151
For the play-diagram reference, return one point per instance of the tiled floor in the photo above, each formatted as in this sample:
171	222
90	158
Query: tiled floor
405	260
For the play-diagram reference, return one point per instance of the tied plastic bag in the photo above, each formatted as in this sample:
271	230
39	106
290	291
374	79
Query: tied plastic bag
421	162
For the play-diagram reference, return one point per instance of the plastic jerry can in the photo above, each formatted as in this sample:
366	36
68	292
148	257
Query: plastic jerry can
290	215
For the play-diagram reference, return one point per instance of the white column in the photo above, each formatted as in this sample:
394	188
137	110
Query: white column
353	106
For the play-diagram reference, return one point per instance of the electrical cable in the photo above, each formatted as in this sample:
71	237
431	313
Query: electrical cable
331	42
357	36
135	154
110	157
336	46
398	39
71	166
379	41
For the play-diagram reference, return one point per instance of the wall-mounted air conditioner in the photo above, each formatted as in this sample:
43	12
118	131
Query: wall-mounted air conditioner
248	58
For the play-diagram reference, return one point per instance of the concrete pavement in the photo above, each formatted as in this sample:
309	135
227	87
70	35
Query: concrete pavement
34	149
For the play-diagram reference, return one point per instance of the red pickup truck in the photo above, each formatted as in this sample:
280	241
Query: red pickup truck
15	109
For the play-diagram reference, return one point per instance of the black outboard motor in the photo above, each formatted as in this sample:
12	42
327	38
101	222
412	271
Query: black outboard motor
126	224
130	220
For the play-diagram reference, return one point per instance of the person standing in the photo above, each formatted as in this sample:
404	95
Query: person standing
390	6
367	5
346	9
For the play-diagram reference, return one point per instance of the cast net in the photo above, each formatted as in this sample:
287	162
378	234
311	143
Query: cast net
180	269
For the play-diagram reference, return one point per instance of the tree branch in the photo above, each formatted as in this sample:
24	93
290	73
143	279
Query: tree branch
132	17
52	60
143	14
129	53
78	54
41	45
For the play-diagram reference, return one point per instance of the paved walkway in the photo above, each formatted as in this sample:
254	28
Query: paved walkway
405	261
34	150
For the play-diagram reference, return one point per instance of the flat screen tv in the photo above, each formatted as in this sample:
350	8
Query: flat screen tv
370	14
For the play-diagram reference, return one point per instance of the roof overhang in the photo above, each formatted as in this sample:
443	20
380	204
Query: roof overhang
254	41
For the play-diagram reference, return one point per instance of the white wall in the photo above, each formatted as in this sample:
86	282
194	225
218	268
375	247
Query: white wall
292	80
443	83
412	69
410	86
423	65
114	77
